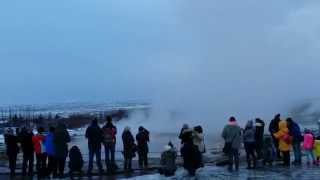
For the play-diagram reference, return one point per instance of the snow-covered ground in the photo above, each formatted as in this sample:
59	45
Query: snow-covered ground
270	173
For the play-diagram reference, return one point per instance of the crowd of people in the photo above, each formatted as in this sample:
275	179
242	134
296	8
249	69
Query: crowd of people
285	136
51	150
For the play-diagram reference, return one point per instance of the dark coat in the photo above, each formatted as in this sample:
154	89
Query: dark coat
142	139
11	144
95	137
129	146
191	156
168	160
274	125
259	126
76	159
25	138
185	135
61	138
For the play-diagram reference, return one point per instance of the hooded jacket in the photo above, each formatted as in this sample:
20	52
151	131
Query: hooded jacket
198	140
38	141
168	160
61	140
94	135
50	149
249	133
317	148
308	141
283	135
232	134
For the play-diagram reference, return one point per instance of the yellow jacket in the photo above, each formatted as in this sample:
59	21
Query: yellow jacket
281	135
317	148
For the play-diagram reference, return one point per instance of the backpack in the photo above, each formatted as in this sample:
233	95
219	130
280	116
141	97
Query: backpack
109	135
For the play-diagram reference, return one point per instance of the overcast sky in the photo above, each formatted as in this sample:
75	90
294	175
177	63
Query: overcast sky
180	53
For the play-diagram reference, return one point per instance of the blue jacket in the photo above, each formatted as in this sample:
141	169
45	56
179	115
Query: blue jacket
50	149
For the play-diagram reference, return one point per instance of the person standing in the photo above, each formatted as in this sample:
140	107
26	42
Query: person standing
41	156
273	128
94	136
191	157
259	133
12	148
50	150
129	148
61	139
28	151
198	140
249	144
232	137
297	138
185	133
142	139
109	141
285	141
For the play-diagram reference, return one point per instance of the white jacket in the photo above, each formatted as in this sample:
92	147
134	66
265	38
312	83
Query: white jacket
198	140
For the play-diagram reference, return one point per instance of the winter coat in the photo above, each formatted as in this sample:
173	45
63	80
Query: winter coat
76	159
191	156
50	149
317	148
168	160
185	135
274	126
198	140
61	138
283	136
109	134
232	134
142	139
249	133
129	147
26	142
11	144
94	136
308	142
259	131
295	132
38	141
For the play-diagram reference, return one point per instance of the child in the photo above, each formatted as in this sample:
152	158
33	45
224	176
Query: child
317	149
268	151
76	160
308	144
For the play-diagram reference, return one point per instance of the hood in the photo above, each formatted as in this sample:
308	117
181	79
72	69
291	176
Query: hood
249	125
283	125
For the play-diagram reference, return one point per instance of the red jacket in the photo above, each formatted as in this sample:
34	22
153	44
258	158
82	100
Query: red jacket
37	140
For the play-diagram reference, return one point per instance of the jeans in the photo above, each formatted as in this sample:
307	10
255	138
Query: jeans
52	166
297	151
27	163
310	155
12	163
61	162
41	164
233	158
92	153
109	151
250	151
127	163
286	158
